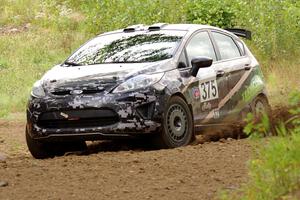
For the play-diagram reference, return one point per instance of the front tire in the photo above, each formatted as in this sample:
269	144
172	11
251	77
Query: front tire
38	150
178	126
42	150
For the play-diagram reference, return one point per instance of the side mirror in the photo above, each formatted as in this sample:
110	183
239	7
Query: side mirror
200	62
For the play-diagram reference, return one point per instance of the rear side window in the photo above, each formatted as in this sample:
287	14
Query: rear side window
200	45
242	48
226	45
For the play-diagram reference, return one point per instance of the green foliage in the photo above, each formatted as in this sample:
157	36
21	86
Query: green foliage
25	58
275	171
121	13
3	64
56	15
275	25
213	12
295	111
293	123
17	12
257	128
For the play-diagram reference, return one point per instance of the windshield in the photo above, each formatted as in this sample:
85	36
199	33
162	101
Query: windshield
133	47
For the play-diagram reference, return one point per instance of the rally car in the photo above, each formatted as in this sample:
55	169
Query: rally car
168	80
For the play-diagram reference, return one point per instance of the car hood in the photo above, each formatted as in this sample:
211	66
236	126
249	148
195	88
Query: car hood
118	72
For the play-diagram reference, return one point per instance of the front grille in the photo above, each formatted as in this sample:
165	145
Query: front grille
78	118
83	87
84	91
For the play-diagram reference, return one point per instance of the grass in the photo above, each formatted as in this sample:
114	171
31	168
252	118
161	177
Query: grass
26	57
282	78
274	172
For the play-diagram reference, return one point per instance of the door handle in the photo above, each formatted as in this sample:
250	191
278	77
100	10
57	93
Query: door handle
220	73
247	67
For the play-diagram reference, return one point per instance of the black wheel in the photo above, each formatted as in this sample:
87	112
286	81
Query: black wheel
42	150
38	150
178	126
260	106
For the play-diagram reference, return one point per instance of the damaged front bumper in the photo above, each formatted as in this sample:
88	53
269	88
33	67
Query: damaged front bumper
97	116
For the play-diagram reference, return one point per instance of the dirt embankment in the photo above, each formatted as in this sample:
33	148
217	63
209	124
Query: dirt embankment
10	30
121	170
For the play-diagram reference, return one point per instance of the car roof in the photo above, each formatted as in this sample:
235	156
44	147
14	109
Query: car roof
185	27
168	27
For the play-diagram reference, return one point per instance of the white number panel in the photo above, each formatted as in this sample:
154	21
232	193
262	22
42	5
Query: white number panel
209	90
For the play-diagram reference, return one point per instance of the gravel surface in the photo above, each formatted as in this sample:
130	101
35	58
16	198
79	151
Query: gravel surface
121	170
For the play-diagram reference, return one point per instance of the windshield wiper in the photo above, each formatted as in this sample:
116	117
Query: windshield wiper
72	63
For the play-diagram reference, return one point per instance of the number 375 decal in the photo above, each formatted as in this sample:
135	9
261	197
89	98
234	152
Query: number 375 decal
209	90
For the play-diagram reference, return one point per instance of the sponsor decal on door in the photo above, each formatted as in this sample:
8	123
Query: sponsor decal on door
196	93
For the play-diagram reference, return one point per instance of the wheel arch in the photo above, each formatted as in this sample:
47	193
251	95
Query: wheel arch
263	95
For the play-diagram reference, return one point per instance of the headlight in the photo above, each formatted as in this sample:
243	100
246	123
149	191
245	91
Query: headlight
140	81
37	90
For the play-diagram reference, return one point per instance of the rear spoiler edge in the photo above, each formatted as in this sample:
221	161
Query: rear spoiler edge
240	32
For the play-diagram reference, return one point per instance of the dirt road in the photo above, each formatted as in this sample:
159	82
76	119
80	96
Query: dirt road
120	170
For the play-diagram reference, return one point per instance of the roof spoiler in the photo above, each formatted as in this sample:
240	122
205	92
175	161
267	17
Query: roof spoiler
240	32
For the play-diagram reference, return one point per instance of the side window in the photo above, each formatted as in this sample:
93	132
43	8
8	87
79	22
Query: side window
227	47
200	45
242	48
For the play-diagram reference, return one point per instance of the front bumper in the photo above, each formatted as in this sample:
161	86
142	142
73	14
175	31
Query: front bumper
97	116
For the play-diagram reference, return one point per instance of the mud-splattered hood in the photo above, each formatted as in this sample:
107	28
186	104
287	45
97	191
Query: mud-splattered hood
81	75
